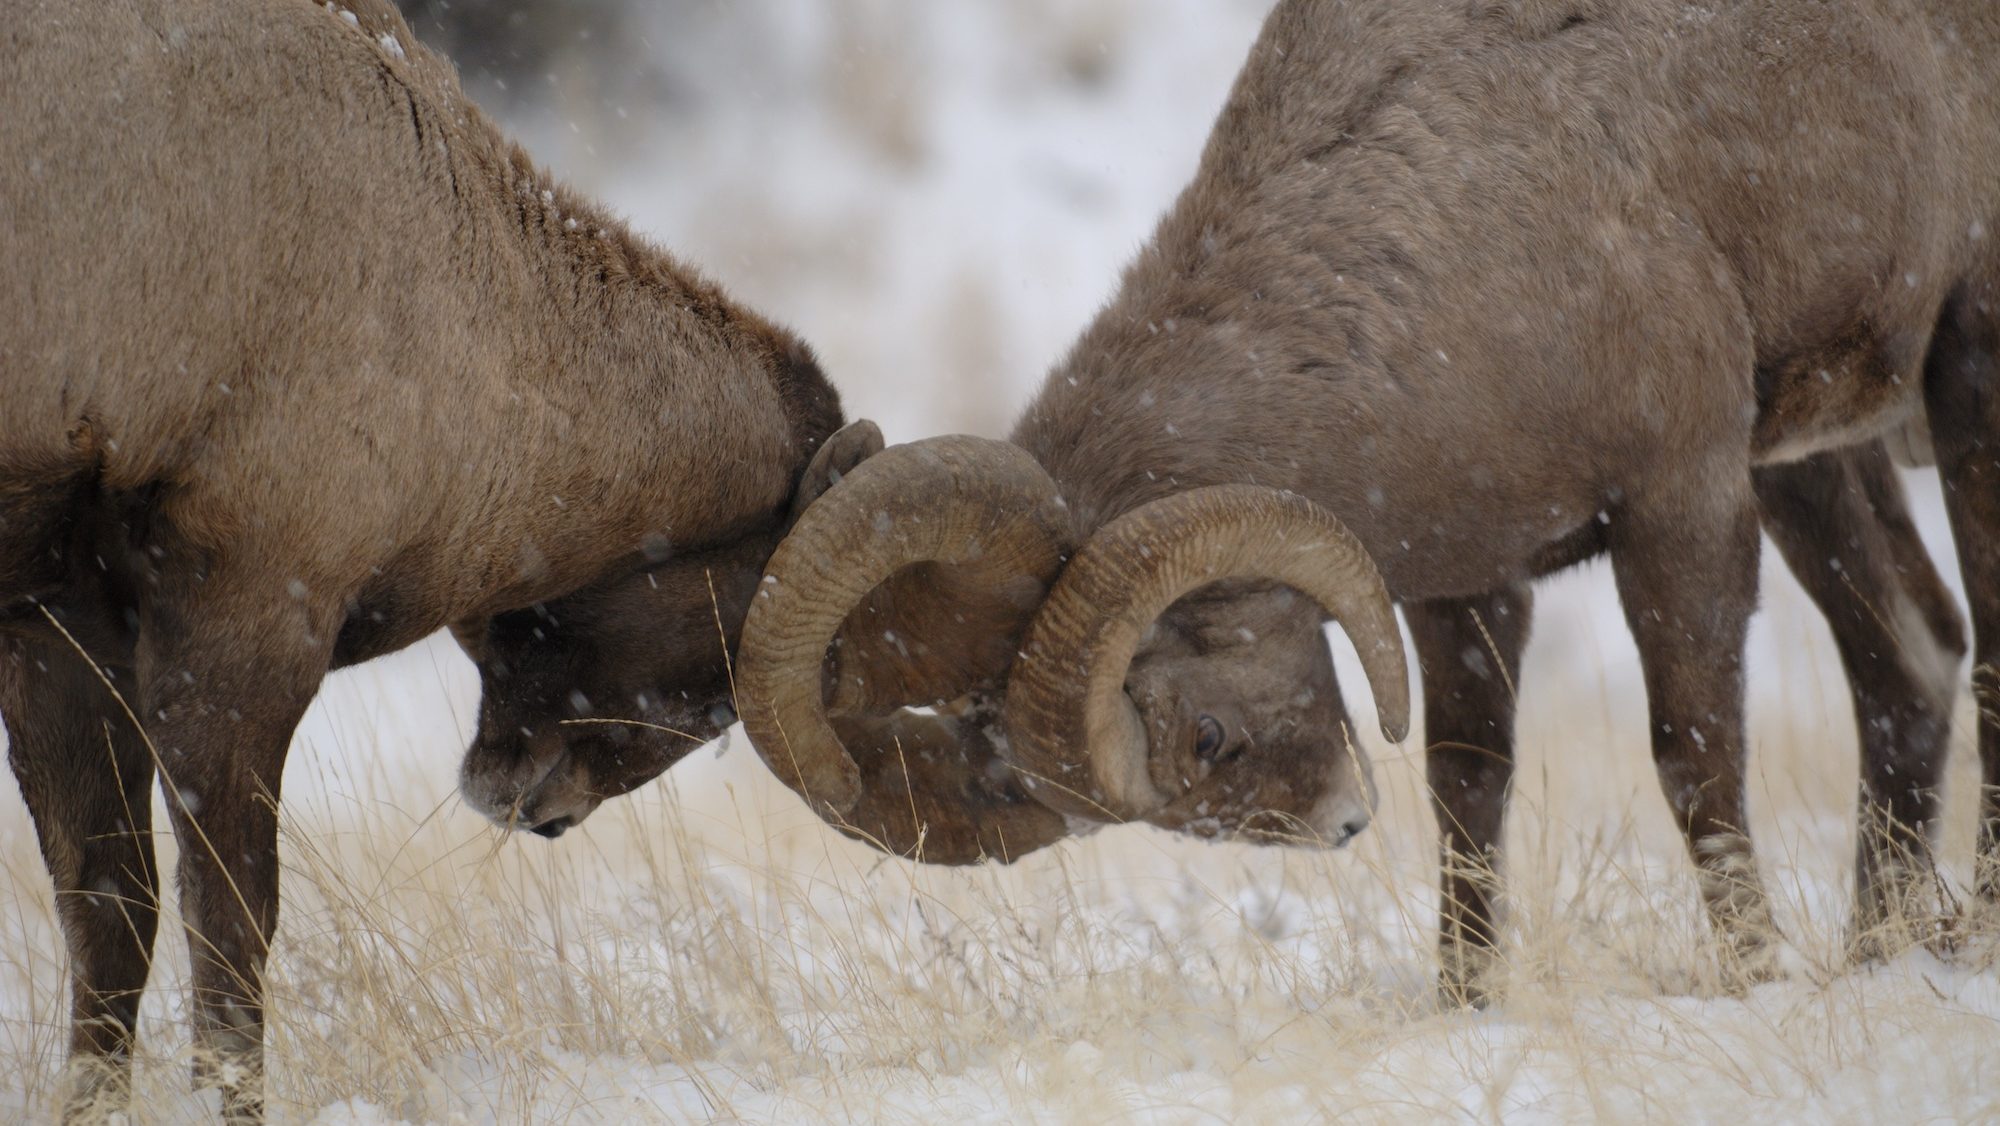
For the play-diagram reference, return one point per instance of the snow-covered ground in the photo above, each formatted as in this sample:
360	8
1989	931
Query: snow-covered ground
939	196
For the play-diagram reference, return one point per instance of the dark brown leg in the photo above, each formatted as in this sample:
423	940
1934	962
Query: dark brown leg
1962	394
88	781
1686	563
221	705
1841	523
32	506
1470	653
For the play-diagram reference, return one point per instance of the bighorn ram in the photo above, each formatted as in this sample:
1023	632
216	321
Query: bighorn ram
1500	286
300	360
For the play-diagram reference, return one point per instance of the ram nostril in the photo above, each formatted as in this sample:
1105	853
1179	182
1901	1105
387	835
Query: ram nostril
1350	830
553	827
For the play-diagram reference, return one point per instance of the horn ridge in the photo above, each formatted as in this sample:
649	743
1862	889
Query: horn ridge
1073	734
942	544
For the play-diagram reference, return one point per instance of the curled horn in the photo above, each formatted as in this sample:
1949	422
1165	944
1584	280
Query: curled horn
1072	732
905	584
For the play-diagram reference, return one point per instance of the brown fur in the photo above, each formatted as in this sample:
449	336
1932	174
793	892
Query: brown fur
300	360
1841	524
1960	381
1507	285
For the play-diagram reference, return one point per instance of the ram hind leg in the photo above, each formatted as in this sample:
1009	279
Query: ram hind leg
222	701
34	506
1470	653
87	777
1842	525
1962	398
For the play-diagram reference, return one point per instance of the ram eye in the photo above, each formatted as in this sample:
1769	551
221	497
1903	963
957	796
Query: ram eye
1207	738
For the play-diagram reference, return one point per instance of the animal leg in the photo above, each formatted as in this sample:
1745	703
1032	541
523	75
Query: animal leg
88	778
1685	558
1841	523
1962	398
1470	652
222	704
32	506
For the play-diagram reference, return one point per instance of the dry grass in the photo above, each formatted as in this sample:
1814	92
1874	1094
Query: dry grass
939	221
704	949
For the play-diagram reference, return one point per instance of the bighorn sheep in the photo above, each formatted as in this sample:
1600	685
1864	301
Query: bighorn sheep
300	360
1501	287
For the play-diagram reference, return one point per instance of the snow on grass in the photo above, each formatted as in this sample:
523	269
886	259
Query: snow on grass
938	196
704	949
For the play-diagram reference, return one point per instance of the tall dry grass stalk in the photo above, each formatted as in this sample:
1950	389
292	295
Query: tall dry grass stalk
705	949
941	223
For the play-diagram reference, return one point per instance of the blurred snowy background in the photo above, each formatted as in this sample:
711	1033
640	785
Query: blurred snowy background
936	194
939	194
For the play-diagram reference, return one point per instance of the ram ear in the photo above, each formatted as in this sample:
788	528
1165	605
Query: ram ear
850	446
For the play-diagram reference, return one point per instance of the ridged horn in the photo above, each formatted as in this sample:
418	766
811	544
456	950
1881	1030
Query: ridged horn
963	537
932	789
1073	734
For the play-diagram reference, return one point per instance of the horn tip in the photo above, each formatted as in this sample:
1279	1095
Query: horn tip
1396	728
840	801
